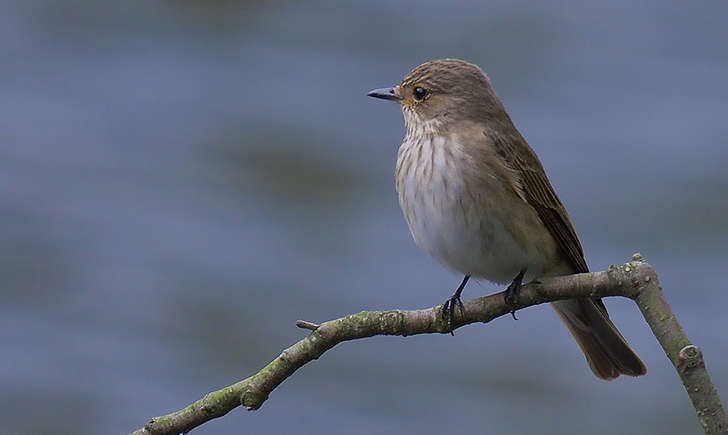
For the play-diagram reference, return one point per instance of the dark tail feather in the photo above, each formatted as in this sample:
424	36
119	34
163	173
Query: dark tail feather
606	351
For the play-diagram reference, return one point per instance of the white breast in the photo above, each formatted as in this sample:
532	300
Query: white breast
464	230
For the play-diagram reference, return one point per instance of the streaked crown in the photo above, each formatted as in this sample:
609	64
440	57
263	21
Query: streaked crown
449	89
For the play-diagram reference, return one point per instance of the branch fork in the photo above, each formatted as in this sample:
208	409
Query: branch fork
636	280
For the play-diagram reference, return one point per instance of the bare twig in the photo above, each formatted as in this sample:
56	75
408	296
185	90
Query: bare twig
636	280
686	357
304	324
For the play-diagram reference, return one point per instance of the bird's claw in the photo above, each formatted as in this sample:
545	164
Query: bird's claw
448	311
510	296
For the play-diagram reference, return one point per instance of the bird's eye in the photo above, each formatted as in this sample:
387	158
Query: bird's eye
419	93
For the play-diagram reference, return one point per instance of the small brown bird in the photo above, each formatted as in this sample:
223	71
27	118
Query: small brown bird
477	199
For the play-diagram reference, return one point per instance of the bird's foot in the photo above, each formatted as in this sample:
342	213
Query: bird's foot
448	308
448	311
511	294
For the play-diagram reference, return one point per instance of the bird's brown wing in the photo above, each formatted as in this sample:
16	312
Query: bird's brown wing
605	349
537	191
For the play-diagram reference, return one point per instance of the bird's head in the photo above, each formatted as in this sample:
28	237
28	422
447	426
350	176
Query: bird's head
443	91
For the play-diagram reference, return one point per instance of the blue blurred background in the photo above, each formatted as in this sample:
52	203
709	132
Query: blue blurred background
183	180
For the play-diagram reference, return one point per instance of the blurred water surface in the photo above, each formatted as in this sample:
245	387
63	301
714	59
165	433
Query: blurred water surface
181	181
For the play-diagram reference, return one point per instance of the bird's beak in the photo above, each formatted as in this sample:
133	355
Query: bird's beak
384	94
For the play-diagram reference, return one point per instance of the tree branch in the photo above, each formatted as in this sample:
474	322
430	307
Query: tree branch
636	280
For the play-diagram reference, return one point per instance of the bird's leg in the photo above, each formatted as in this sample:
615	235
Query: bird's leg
511	294
448	309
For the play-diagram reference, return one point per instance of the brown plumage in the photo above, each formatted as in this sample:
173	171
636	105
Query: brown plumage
477	198
604	347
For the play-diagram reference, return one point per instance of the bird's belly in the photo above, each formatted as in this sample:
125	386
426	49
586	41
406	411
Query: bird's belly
474	233
480	247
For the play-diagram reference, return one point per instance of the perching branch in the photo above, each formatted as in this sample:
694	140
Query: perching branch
636	280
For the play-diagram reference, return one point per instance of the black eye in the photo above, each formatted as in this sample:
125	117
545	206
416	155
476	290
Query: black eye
419	93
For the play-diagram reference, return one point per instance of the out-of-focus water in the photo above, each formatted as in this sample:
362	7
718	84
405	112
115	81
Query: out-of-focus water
181	181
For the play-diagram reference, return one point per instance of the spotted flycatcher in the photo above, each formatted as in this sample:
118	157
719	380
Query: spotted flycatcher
477	199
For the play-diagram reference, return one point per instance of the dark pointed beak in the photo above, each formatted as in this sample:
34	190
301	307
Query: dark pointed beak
384	94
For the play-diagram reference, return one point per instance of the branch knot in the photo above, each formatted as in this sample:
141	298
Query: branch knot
689	358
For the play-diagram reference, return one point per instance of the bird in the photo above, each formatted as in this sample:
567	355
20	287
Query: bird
476	198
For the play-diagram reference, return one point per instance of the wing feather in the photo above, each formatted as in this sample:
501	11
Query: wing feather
537	191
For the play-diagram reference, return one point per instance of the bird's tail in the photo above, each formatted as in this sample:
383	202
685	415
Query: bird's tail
606	351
